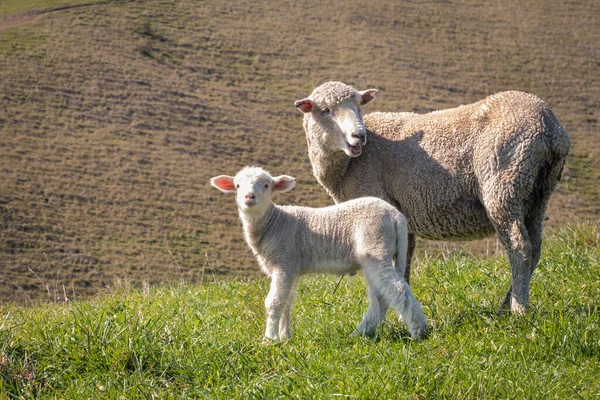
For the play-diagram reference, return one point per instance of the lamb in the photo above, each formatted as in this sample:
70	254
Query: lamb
456	174
290	241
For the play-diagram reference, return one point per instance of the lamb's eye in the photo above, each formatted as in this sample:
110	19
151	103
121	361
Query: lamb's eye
237	186
266	186
326	111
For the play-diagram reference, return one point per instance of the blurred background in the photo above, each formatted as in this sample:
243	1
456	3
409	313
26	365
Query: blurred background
115	114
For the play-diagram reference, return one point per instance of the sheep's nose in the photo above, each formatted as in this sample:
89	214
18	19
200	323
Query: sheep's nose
250	196
360	135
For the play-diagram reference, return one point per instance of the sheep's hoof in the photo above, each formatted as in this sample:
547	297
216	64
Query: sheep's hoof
514	308
503	311
518	309
422	334
357	333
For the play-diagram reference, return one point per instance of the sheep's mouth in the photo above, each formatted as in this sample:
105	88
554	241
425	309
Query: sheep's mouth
248	204
354	150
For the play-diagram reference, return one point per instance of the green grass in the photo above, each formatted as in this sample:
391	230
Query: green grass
205	341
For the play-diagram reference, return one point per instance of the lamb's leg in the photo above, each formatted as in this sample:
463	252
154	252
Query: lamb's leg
285	323
376	311
275	303
397	292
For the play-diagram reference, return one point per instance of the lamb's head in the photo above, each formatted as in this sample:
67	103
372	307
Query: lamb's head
253	187
334	109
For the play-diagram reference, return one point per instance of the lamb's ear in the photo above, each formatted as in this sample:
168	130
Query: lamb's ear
304	105
284	183
224	183
367	96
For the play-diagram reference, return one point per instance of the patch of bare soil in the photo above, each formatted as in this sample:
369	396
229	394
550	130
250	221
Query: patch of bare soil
18	20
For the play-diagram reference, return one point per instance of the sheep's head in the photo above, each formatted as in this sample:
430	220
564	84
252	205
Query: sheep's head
253	187
336	108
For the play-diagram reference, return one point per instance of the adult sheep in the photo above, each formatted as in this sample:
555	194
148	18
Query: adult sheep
456	174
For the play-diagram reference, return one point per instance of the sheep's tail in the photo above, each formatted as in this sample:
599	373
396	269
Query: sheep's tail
559	146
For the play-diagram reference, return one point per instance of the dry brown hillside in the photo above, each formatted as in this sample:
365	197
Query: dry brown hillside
113	116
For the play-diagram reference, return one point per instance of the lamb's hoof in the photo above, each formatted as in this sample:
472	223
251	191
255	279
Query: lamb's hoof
285	338
269	341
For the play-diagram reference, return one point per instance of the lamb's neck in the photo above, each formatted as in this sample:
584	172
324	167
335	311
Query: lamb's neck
257	227
328	168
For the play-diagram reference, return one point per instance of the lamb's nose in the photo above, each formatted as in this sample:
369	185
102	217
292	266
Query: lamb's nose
250	196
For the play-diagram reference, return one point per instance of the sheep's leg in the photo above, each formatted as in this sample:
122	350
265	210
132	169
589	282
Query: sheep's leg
505	303
412	244
515	239
405	249
376	311
398	294
402	252
285	323
276	301
534	225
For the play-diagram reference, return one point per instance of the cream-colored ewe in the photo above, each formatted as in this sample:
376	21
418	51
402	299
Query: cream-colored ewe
456	174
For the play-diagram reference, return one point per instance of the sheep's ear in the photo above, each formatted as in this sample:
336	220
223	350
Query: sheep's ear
304	105
224	183
284	183
367	96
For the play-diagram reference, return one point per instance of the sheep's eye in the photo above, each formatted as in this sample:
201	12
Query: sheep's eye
326	111
237	186
266	186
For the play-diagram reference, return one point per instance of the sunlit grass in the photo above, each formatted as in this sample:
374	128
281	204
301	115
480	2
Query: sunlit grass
205	341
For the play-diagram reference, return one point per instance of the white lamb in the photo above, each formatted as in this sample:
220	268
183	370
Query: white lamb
290	241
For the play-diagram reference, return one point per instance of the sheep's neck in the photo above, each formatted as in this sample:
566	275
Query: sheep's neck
329	168
256	227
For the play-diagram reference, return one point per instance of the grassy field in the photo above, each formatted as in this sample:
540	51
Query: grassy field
114	115
204	341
